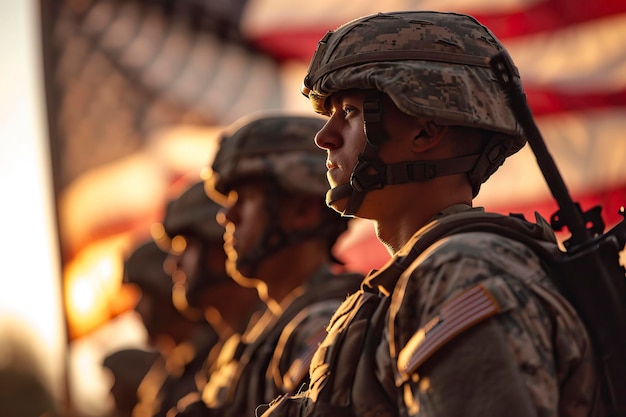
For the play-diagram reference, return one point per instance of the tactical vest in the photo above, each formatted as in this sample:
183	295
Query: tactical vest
342	362
249	381
345	371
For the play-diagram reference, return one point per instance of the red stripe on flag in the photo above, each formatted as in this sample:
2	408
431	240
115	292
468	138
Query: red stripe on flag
548	16
546	101
300	42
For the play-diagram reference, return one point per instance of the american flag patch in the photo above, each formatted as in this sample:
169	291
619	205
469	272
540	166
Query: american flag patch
457	315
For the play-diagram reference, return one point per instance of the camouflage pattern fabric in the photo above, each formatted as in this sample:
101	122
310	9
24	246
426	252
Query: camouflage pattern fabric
534	327
272	357
432	359
431	64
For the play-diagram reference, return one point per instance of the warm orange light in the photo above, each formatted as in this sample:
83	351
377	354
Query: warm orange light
92	286
157	232
178	245
82	296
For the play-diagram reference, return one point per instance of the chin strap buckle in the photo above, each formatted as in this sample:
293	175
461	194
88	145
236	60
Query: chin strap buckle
363	179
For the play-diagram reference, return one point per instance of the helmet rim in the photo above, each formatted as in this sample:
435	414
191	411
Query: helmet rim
448	80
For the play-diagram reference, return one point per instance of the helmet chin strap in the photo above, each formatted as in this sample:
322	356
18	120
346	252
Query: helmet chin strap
371	173
364	179
275	239
361	182
355	198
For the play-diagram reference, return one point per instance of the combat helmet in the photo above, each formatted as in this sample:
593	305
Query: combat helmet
144	268
432	65
128	368
270	145
194	214
280	149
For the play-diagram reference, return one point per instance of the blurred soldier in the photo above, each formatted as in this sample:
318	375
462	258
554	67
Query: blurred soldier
128	368
177	337
280	236
202	291
197	263
166	327
470	325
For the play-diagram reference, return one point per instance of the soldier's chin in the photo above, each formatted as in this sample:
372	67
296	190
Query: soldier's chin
337	198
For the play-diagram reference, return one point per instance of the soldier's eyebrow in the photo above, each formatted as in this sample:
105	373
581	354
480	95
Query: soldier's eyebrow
333	102
353	92
337	99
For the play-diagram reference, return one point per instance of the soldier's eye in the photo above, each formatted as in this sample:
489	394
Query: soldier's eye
347	110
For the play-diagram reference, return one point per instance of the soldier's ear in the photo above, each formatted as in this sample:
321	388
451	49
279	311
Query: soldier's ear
429	137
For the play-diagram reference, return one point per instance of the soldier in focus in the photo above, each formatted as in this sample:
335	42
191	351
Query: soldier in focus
280	235
466	325
202	291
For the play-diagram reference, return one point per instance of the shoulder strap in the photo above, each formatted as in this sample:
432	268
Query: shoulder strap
537	236
334	287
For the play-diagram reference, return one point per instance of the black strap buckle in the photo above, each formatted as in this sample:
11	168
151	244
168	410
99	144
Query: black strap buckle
362	180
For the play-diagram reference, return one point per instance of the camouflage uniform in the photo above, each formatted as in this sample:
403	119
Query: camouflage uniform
392	349
272	356
539	348
412	342
169	378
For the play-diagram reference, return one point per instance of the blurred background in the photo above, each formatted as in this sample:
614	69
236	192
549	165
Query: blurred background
109	108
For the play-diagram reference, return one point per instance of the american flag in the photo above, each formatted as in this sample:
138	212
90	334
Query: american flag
140	89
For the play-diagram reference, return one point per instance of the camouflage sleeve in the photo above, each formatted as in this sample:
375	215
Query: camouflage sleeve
289	367
478	330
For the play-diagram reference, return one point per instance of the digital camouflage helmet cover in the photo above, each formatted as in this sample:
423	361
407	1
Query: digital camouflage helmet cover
431	65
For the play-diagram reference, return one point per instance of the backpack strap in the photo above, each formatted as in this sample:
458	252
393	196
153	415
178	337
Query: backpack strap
348	350
538	236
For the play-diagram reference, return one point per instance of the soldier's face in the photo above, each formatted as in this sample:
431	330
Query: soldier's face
157	314
343	137
246	220
196	267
